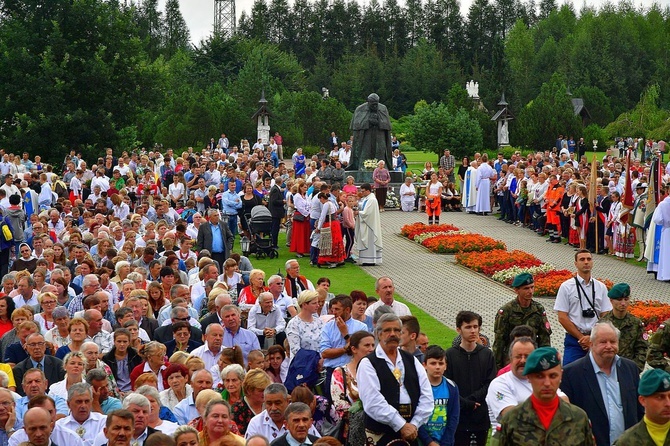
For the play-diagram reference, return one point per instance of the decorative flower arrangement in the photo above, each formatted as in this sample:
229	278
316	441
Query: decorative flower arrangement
411	231
506	276
370	164
391	200
490	257
462	243
426	235
548	283
490	262
652	313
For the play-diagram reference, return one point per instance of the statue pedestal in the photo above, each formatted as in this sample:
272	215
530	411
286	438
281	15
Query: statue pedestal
365	176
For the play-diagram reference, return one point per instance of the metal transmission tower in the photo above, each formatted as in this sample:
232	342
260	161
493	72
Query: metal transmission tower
224	18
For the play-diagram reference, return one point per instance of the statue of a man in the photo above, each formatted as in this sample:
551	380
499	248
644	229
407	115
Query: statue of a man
371	126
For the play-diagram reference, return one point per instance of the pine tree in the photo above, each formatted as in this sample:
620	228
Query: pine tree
176	32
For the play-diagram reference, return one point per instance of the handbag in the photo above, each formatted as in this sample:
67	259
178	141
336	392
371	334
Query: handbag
339	428
297	216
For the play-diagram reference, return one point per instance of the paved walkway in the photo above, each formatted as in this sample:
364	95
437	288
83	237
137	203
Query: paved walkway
442	288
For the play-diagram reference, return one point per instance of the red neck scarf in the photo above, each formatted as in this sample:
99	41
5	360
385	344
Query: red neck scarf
545	411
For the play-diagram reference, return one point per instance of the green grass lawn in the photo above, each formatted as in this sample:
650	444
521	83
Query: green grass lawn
347	278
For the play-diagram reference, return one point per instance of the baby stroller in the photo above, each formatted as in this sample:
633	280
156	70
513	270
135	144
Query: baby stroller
260	226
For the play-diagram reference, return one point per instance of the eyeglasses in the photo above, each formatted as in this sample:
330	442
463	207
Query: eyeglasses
48	302
6	403
182	319
36	344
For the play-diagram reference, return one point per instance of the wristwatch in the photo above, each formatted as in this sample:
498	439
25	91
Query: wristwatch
346	337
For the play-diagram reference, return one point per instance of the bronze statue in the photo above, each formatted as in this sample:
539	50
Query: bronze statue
371	126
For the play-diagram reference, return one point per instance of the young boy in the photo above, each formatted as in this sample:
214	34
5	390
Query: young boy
441	426
409	335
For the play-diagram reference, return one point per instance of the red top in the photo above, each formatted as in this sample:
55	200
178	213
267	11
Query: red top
545	411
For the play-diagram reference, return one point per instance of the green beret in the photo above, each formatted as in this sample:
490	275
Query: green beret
619	291
652	381
541	359
522	279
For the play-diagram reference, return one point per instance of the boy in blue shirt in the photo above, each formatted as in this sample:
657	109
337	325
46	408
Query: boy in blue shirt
441	426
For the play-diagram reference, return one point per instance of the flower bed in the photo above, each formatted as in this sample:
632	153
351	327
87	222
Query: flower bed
548	283
490	257
652	313
411	231
420	238
506	276
462	243
490	262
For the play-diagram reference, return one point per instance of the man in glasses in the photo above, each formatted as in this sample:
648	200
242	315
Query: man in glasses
51	366
179	313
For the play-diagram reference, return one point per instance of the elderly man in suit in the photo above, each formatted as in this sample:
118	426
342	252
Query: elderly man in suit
215	237
604	385
38	359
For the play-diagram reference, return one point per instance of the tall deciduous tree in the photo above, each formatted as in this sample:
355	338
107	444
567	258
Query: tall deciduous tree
73	73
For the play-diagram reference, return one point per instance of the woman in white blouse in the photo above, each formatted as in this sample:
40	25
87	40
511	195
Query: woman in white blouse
304	330
407	195
74	365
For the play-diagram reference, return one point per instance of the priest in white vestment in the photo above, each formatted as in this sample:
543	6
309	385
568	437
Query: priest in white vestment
469	196
368	229
662	219
484	174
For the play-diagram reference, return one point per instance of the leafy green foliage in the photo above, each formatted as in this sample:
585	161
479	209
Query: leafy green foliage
435	128
549	115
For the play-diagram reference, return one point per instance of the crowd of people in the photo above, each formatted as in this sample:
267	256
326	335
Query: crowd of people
551	193
128	317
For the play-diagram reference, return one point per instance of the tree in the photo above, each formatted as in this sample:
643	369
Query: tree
177	35
434	128
550	114
73	73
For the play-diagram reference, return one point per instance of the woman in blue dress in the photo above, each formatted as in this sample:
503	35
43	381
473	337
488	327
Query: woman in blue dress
299	162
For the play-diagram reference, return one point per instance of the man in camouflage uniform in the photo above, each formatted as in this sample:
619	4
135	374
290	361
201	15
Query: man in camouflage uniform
521	311
558	422
659	347
654	390
633	343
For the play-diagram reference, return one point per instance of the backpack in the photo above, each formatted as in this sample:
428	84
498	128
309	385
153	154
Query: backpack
6	234
61	189
303	369
187	215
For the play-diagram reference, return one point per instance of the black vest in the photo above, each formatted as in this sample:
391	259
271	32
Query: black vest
390	388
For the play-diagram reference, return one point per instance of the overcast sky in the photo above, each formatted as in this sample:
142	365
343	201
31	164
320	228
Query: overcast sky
199	14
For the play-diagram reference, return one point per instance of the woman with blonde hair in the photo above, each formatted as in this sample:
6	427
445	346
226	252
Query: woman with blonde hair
253	386
193	364
154	361
74	365
48	302
201	401
304	330
179	357
250	293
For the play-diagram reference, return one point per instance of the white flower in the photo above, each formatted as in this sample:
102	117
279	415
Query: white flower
509	273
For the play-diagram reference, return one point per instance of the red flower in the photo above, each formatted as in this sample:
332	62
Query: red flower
462	243
490	262
411	231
